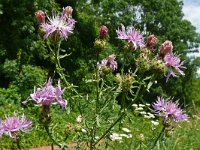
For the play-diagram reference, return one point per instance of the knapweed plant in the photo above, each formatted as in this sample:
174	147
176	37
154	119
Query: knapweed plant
118	88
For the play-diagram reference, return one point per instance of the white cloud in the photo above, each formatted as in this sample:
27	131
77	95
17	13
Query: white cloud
191	12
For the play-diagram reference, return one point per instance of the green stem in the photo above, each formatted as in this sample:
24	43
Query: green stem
120	117
92	145
159	136
52	138
18	145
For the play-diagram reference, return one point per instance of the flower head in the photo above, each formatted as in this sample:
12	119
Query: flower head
131	35
12	125
169	110
59	25
103	32
49	95
174	65
40	16
165	48
151	40
108	62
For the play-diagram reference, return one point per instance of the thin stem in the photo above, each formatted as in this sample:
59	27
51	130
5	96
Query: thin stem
120	117
97	105
18	143
51	137
52	147
159	136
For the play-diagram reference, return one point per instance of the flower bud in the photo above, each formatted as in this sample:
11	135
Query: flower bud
67	11
99	45
165	48
40	16
118	78
127	83
158	66
151	40
103	32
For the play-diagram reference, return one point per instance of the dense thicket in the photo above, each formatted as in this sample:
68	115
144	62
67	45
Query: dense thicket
24	57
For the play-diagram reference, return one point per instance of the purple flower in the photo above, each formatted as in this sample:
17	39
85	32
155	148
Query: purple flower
12	125
59	24
131	35
169	110
49	95
174	65
109	62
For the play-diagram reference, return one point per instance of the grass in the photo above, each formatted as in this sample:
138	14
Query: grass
184	137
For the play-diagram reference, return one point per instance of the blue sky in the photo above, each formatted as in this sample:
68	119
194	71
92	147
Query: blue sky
191	10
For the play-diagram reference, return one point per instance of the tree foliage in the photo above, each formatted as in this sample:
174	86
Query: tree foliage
20	42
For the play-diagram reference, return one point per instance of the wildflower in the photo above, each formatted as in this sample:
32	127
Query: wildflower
83	130
139	108
49	95
67	12
155	123
174	65
169	110
12	125
108	62
59	25
132	36
115	136
151	40
103	32
126	130
40	16
79	119
165	48
125	135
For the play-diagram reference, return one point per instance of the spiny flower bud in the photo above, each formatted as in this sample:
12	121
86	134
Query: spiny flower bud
158	66
118	78
99	45
67	11
142	64
142	61
165	48
127	82
151	40
40	16
103	32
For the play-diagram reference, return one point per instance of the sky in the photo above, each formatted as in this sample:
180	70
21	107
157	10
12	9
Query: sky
191	10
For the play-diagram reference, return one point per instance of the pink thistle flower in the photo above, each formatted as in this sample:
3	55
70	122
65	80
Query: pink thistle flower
131	35
109	62
12	125
60	25
174	65
49	95
169	110
103	32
